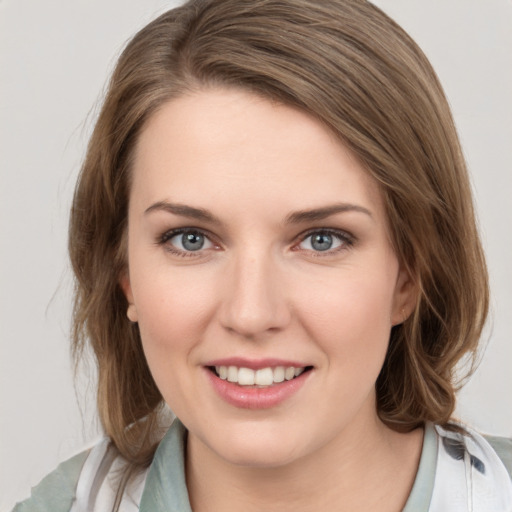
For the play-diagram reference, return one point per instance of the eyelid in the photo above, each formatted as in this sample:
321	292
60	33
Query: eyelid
347	240
168	235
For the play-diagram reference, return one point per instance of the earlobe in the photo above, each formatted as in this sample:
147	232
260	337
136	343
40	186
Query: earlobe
131	312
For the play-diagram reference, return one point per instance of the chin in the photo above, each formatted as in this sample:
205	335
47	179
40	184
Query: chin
258	457
258	447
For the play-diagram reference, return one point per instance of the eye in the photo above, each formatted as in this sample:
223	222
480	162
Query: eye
186	241
324	241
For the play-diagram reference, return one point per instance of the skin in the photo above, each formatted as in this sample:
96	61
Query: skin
258	289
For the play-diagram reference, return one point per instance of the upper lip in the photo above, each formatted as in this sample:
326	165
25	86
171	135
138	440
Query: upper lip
255	364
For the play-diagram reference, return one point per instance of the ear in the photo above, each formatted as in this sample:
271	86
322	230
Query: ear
124	283
405	297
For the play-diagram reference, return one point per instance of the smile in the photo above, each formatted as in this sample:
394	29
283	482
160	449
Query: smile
262	377
256	383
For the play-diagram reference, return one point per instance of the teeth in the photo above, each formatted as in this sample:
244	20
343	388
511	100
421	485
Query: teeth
233	374
246	377
279	374
262	377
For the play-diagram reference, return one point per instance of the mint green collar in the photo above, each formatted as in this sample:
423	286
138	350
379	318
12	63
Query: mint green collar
165	488
421	493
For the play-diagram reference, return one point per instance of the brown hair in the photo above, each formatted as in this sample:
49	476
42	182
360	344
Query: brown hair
349	65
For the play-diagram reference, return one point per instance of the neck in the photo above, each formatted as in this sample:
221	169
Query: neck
366	467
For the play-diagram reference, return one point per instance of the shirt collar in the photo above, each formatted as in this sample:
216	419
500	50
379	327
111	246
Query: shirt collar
165	488
423	487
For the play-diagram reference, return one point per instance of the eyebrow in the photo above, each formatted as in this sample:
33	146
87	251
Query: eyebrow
184	211
322	213
297	217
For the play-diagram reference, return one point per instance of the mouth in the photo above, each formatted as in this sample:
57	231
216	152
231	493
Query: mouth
260	378
257	384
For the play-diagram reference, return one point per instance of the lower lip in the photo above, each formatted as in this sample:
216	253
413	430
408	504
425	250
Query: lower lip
256	398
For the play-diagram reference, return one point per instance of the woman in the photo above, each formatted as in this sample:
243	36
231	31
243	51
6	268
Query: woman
273	234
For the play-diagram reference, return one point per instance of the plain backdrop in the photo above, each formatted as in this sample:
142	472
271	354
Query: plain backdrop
55	57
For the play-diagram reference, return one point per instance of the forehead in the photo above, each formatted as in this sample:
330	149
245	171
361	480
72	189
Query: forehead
225	146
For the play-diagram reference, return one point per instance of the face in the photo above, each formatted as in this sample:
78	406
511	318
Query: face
261	275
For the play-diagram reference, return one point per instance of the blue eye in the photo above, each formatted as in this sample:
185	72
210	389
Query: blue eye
322	241
188	241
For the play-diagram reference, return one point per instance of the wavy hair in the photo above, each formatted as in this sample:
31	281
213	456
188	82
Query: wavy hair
349	65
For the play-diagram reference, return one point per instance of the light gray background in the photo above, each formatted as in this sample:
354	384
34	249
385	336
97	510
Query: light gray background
54	60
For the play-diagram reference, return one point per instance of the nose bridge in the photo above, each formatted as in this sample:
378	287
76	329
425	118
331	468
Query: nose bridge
255	298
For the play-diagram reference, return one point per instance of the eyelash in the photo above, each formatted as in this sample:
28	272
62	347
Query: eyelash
347	241
169	235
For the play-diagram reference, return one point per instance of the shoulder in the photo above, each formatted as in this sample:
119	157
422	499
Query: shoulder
56	492
86	482
470	470
503	448
497	449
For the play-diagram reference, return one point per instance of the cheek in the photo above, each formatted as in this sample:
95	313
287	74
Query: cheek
171	312
351	317
173	307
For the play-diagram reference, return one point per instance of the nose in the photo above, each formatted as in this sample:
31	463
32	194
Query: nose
254	298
